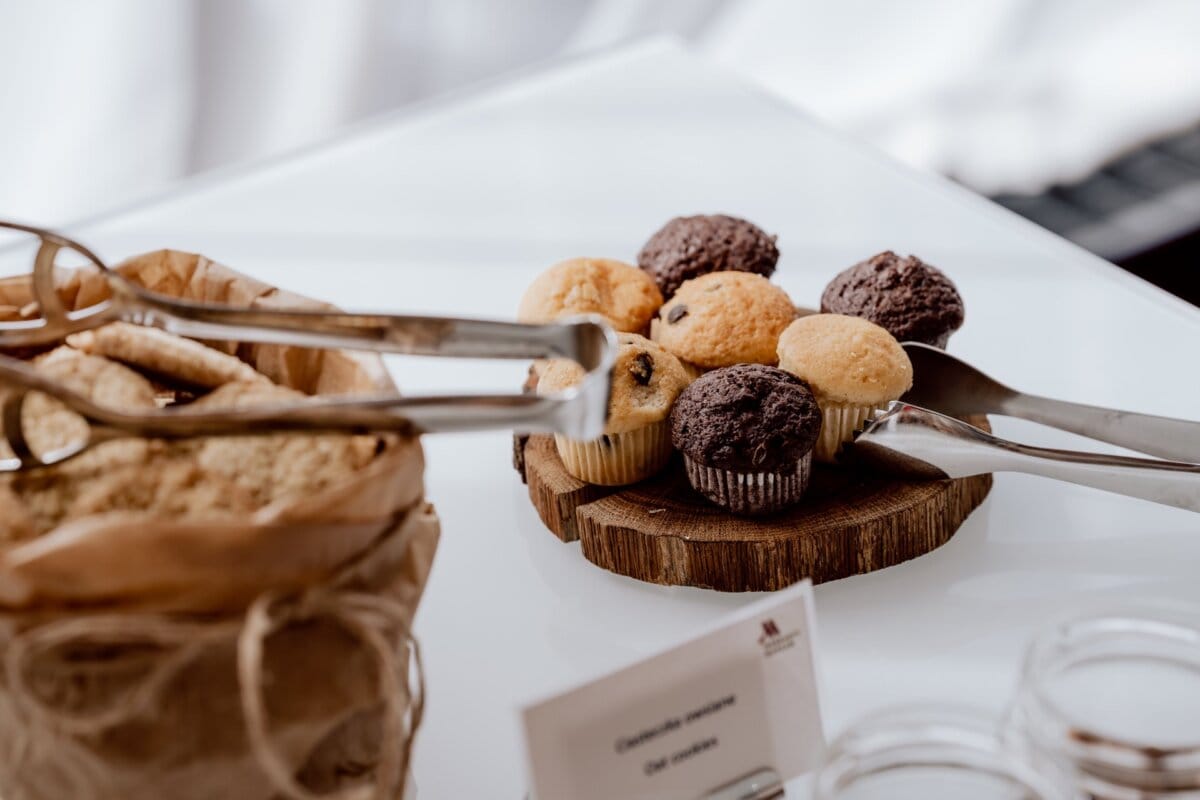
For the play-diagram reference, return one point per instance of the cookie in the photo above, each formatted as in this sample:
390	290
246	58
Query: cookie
276	466
164	354
209	478
49	425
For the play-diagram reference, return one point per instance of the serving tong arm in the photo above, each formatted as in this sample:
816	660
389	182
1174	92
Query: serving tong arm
952	386
915	442
1175	439
579	412
381	333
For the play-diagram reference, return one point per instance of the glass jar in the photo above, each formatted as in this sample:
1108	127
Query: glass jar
1115	700
929	753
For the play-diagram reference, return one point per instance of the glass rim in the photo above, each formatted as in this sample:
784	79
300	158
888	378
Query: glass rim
1059	649
945	736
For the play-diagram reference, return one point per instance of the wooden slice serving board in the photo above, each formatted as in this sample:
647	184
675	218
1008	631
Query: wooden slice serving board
662	531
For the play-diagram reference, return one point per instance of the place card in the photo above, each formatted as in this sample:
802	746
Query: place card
698	716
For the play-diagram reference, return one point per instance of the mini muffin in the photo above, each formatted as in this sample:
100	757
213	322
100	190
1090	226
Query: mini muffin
747	433
722	319
852	366
688	247
636	443
620	292
908	298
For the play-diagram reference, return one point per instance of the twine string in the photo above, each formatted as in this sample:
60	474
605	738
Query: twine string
367	617
375	621
182	641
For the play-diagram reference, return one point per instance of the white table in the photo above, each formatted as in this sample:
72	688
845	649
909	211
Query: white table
455	207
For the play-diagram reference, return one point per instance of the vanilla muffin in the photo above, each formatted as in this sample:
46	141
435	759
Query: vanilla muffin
724	318
636	443
619	292
852	366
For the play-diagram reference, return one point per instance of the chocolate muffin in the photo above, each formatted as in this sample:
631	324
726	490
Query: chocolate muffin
688	247
908	298
747	433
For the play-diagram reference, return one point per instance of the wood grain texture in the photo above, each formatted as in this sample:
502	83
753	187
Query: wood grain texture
662	531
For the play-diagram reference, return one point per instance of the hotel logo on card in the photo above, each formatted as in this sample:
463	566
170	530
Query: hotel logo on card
774	642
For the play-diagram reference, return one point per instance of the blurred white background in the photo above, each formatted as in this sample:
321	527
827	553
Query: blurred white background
104	101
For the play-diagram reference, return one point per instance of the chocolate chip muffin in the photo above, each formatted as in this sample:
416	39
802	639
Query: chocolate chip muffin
908	298
636	443
747	433
722	319
688	247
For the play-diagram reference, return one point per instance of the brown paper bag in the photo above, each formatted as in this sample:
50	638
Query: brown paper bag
153	658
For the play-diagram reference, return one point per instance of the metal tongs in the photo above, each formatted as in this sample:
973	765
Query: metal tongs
910	440
578	412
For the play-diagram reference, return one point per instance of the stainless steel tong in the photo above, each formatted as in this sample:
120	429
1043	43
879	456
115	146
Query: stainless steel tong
579	412
947	384
912	441
915	442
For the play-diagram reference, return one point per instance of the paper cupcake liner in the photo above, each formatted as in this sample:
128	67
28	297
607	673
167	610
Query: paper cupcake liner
839	421
750	492
616	459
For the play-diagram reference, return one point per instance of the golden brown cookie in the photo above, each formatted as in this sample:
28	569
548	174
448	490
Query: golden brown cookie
724	318
50	425
99	379
177	488
620	292
45	496
247	481
209	478
277	466
16	522
164	354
